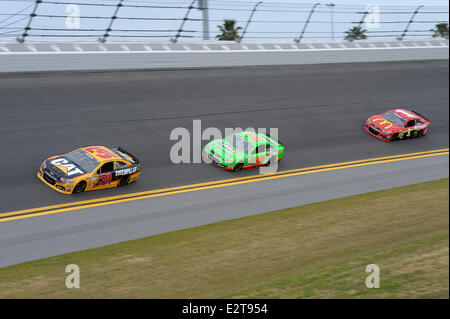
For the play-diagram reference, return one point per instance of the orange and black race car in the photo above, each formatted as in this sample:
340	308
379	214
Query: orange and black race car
397	124
89	168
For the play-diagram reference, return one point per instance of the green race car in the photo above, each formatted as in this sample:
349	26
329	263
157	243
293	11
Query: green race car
242	150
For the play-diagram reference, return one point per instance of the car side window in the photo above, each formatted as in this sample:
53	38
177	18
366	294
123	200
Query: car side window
410	123
107	167
261	148
120	165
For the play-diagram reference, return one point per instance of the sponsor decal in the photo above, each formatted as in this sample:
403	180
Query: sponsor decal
384	121
65	166
93	180
126	171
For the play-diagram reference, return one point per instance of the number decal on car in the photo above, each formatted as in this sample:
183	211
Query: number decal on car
104	179
100	152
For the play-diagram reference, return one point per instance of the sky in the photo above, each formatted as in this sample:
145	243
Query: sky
274	19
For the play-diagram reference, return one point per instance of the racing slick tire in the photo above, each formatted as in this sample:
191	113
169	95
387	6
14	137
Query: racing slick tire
79	188
394	137
124	180
238	167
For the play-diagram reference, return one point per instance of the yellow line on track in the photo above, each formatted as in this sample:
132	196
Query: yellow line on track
53	209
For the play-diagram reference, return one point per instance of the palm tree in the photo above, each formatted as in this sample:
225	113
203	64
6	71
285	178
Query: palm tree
355	33
229	31
441	30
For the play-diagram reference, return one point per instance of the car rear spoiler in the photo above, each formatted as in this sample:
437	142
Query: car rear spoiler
421	115
129	154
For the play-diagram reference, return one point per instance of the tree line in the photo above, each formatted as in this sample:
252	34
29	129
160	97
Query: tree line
229	31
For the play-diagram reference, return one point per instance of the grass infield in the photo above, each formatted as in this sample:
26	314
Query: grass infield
314	251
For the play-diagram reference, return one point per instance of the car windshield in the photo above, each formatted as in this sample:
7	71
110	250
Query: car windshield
394	118
238	143
83	160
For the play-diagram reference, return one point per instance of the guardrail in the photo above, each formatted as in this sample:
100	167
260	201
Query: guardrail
58	56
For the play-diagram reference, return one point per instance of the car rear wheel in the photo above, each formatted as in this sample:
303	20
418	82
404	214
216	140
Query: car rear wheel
238	167
394	137
124	180
80	187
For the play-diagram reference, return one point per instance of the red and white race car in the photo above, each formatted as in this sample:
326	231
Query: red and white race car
396	124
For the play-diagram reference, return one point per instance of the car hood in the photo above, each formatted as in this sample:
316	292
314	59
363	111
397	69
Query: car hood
381	122
61	166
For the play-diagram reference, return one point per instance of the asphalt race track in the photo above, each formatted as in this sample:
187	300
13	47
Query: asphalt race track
317	108
49	235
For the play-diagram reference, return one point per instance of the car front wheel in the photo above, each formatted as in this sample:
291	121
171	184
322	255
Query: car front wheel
80	187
